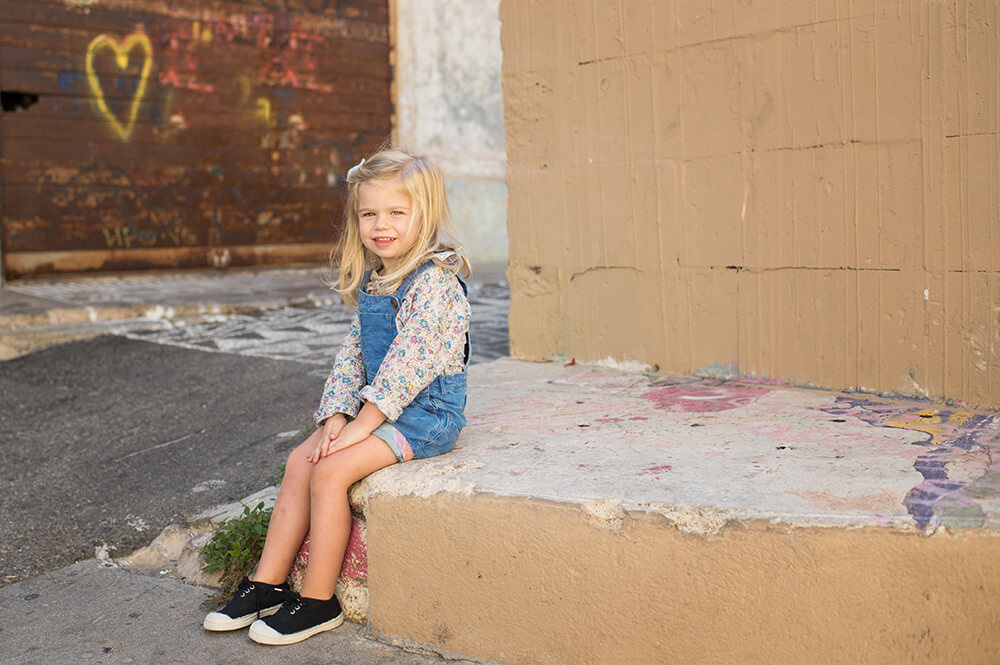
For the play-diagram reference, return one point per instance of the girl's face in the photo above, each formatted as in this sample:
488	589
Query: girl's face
385	212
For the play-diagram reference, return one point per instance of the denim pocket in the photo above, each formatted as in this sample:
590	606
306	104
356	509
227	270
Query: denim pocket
448	384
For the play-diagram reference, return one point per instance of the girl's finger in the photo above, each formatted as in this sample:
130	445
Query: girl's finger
340	445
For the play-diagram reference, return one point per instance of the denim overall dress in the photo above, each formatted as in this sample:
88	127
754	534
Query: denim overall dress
432	421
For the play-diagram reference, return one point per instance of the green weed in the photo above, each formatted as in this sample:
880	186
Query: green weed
235	549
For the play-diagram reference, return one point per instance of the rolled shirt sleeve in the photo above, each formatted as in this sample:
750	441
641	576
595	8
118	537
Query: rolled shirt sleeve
342	392
432	323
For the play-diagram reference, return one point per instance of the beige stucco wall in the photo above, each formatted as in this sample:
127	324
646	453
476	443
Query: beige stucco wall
448	105
529	582
807	192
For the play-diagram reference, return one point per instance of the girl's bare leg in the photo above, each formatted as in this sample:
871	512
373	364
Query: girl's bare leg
290	517
330	517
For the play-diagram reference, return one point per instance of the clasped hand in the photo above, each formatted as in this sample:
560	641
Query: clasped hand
337	435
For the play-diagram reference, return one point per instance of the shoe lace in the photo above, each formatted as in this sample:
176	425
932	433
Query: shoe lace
296	603
247	588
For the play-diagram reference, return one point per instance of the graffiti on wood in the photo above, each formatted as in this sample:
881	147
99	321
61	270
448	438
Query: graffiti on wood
121	52
160	127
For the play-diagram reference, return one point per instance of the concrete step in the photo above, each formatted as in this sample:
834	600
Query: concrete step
596	516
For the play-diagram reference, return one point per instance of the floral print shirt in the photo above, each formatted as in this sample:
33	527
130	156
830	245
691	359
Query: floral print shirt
431	324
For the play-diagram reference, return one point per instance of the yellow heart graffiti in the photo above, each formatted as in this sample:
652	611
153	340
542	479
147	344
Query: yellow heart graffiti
121	51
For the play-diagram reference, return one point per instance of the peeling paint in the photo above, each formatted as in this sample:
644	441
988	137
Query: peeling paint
607	513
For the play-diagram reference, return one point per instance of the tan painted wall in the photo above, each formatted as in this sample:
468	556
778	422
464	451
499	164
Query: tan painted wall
804	191
529	582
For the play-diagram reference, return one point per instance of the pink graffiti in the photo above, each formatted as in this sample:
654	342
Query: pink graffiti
704	397
354	567
657	471
169	76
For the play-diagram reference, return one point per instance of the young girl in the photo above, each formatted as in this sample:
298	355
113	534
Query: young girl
396	391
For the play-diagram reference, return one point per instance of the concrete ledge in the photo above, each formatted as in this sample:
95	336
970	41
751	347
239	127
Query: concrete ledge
595	516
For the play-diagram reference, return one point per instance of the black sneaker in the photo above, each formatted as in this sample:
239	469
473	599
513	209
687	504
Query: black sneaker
251	601
298	619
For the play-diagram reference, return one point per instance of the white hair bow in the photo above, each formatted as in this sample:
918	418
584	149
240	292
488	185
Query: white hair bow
353	171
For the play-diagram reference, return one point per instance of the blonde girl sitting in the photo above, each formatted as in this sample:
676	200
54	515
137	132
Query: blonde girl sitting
397	389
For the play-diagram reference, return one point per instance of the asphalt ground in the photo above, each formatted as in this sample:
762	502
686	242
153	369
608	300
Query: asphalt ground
106	441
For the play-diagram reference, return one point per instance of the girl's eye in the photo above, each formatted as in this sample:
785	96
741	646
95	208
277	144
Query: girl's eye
398	212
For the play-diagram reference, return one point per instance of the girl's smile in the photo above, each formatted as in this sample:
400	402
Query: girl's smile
385	212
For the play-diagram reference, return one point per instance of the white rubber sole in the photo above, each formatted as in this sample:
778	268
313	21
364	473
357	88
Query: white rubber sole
261	633
218	622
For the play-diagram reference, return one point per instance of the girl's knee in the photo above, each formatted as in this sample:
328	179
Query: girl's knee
328	477
297	464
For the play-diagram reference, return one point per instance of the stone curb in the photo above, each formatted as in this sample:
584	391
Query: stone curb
176	551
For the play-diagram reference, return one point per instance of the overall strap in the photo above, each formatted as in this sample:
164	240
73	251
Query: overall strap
405	285
364	281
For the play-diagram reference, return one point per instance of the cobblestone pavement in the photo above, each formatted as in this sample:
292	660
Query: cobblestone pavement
313	334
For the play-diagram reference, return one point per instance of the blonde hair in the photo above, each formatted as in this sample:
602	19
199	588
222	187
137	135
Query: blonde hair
435	240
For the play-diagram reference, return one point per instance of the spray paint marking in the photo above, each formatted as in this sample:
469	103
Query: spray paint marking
121	51
657	471
702	396
355	565
957	465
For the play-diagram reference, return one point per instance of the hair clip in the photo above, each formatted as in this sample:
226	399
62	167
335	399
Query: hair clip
353	171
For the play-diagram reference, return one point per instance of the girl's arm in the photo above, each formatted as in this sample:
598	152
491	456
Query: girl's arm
342	392
429	340
350	434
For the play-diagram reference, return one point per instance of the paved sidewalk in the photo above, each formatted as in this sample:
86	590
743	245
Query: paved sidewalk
93	612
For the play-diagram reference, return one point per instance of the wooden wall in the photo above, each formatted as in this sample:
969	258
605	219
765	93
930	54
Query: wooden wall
142	134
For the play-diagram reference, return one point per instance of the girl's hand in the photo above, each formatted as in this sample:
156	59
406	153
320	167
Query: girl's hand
352	433
331	428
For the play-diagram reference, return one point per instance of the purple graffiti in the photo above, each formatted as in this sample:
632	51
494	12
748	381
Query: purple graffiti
950	437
